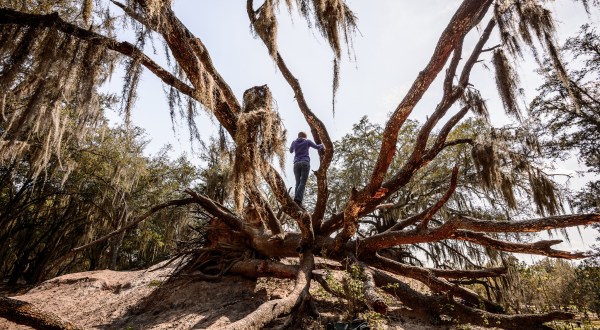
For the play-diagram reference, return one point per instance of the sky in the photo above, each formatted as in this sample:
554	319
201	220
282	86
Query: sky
394	42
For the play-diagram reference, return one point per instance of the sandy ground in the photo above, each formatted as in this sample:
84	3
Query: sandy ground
145	300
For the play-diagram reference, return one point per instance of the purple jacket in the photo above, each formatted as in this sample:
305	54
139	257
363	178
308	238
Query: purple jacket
300	146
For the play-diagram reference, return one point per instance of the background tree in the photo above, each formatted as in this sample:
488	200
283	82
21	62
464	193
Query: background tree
586	286
45	216
572	125
33	76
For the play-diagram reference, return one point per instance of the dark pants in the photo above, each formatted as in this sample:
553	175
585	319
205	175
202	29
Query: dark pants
301	171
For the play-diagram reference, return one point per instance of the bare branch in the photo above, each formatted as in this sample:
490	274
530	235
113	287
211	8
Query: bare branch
428	278
457	142
466	17
531	225
451	71
463	314
479	273
133	223
25	313
483	39
539	247
428	213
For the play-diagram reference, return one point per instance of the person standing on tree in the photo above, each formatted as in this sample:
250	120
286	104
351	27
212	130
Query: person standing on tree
302	163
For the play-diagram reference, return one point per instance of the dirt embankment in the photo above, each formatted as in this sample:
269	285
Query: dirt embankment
146	300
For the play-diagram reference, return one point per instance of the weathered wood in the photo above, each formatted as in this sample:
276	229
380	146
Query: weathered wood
25	313
445	304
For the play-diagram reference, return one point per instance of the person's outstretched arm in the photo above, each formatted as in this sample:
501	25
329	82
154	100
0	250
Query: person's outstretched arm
316	146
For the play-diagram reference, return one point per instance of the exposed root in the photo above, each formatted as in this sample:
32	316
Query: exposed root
22	312
372	297
270	310
446	305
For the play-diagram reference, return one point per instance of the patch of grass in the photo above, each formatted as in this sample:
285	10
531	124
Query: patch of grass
155	283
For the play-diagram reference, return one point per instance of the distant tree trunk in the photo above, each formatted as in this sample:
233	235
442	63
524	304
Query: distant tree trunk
20	264
114	251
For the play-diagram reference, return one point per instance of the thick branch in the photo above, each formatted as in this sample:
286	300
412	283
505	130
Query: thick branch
532	225
372	297
389	239
540	247
478	273
9	16
436	284
446	230
222	213
263	268
176	34
466	17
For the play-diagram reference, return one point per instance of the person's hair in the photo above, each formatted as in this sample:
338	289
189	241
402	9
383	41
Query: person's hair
302	135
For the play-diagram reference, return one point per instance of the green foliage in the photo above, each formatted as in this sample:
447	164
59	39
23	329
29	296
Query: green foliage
548	284
351	289
566	127
586	285
111	183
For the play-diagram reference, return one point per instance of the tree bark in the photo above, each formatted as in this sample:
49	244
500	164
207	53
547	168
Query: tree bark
25	313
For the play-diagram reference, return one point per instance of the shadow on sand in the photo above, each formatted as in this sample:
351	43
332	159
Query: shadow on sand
188	303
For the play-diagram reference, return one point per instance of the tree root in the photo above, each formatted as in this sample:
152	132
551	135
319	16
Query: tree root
446	305
25	313
270	310
263	268
435	283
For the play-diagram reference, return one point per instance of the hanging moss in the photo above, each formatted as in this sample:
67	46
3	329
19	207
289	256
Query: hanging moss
335	83
266	26
544	193
259	138
37	82
472	98
485	159
507	83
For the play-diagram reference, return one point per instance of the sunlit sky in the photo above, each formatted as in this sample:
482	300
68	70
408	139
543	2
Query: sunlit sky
394	42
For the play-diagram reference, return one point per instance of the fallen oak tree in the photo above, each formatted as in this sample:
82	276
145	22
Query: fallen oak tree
261	233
